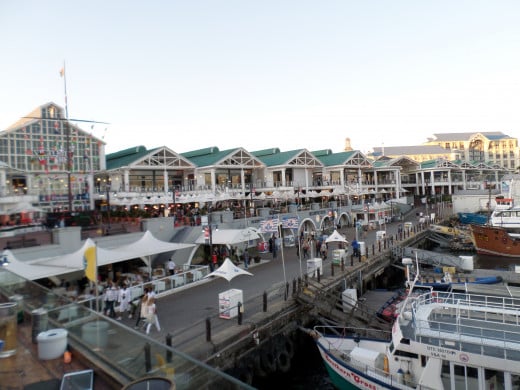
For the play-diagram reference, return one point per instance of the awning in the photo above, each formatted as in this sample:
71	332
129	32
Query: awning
231	236
146	246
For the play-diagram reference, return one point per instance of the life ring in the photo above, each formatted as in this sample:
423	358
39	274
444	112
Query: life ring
363	258
283	361
258	369
268	360
245	374
289	346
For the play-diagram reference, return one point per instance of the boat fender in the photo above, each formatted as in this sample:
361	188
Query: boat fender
283	361
386	365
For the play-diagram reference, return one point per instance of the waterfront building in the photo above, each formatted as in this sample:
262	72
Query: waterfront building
495	148
49	160
38	170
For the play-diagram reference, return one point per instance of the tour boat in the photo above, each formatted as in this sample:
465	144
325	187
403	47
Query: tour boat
493	240
440	340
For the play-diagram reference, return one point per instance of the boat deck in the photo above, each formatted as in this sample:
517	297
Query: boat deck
476	324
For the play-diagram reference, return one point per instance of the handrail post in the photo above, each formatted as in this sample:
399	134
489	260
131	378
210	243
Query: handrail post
208	329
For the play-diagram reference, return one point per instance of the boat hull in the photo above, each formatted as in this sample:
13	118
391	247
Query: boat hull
491	240
345	377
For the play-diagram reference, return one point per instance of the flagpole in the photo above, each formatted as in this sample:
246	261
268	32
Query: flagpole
67	136
64	74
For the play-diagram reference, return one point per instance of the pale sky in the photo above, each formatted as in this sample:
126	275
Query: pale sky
260	74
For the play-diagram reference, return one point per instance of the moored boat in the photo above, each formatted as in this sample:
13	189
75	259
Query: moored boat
475	218
493	240
441	340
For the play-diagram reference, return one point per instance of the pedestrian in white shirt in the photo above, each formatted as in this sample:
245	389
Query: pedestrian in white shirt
124	301
151	316
171	266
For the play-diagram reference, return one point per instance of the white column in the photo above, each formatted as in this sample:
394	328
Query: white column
127	180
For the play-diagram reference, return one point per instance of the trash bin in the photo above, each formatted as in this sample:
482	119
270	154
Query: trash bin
52	343
40	319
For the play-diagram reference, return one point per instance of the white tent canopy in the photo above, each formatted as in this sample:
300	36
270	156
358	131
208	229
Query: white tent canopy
143	248
336	237
22	207
228	271
33	271
231	236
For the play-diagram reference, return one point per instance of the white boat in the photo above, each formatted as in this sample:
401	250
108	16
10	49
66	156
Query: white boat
506	218
441	340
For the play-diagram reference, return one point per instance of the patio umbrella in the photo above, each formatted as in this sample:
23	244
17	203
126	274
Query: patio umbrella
228	271
23	208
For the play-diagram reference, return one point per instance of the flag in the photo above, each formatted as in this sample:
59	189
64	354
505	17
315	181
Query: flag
269	225
90	262
62	72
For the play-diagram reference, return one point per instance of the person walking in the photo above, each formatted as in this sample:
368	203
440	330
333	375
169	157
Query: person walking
171	266
246	259
111	296
151	316
141	309
124	302
214	260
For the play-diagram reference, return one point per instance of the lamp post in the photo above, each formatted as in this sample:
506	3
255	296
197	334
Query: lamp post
107	187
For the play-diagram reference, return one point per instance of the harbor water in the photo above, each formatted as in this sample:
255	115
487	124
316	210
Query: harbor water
307	371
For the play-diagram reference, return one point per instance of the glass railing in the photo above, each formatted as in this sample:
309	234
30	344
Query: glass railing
120	350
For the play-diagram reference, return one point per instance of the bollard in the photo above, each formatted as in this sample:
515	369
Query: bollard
240	311
208	329
378	247
147	357
265	302
332	269
286	290
306	280
299	283
342	267
294	286
169	354
318	274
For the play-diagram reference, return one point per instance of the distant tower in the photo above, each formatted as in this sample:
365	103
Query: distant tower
348	148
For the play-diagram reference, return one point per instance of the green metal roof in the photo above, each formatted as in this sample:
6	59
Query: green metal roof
126	157
333	159
265	152
277	158
320	153
208	156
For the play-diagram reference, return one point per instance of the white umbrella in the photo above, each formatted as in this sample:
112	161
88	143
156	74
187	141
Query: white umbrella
23	208
228	271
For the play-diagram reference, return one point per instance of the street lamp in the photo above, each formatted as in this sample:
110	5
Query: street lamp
107	188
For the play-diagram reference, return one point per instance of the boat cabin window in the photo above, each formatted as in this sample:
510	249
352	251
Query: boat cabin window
391	347
494	379
398	352
405	341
